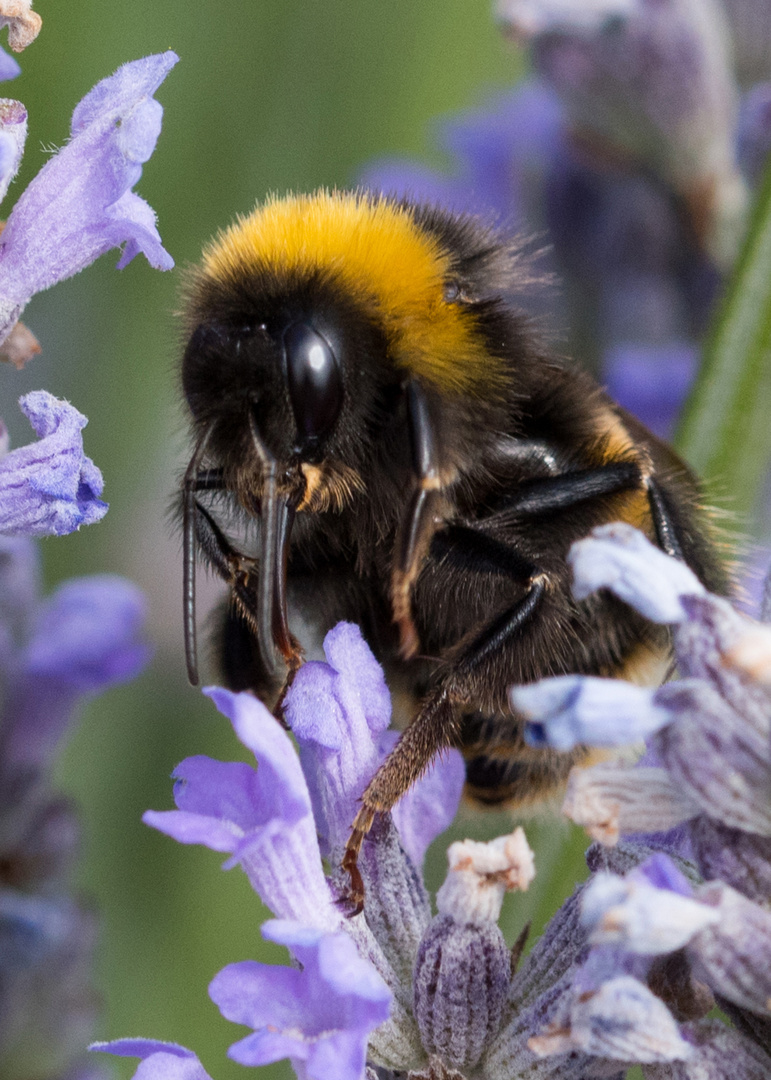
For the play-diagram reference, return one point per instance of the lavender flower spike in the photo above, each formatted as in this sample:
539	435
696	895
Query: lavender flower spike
81	204
49	487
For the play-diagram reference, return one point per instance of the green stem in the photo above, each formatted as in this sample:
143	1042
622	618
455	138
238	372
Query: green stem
725	432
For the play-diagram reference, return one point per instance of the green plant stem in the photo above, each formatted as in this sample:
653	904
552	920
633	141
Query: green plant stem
725	431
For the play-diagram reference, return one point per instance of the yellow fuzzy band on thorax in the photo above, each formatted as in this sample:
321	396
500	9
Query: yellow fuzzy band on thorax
395	271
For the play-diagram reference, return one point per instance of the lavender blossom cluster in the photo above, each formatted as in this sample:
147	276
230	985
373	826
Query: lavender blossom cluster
628	156
673	920
59	651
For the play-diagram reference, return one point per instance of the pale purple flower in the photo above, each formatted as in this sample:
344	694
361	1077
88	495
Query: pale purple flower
654	81
50	486
54	653
710	754
652	381
80	204
754	134
160	1060
575	709
320	1017
9	68
337	710
262	817
84	638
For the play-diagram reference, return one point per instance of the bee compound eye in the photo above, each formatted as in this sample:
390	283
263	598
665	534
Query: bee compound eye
314	379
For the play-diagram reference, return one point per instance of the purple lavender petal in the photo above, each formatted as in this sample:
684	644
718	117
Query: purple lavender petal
652	381
624	1021
282	785
320	1016
9	68
87	634
636	916
659	870
754	134
261	817
430	806
570	710
717	756
733	955
75	209
740	859
619	558
160	1060
13	135
49	487
336	711
86	637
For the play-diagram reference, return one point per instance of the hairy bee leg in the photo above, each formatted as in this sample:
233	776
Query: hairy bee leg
666	531
421	518
236	569
232	566
436	727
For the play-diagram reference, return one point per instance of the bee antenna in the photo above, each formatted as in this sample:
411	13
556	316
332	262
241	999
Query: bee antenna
189	551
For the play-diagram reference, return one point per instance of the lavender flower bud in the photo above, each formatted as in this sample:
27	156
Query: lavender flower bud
740	859
461	981
621	1020
463	968
718	1052
717	756
398	909
611	799
734	954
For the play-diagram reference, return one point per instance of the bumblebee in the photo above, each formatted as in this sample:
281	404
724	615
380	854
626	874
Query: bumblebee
368	399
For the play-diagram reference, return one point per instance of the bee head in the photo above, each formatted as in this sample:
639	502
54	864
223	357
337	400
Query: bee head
307	317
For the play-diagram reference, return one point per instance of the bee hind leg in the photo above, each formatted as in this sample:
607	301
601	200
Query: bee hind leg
436	727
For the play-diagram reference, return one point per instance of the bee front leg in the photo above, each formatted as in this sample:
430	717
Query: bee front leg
239	656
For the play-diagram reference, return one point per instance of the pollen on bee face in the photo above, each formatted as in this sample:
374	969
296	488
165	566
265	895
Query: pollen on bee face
395	271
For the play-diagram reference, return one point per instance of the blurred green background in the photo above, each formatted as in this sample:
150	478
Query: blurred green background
267	96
